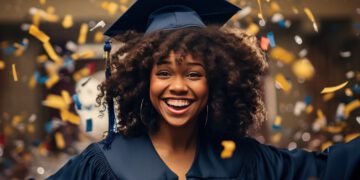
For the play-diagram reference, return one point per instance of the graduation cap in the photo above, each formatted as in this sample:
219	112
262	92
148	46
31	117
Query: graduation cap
152	15
147	16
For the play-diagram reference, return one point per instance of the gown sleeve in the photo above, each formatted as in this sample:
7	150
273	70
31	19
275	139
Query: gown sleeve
340	161
90	164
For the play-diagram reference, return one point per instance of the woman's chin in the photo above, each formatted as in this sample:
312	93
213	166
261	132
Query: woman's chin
177	122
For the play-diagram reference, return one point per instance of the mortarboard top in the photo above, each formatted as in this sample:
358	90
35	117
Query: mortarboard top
150	15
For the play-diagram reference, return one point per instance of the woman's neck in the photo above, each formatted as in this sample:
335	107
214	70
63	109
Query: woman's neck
175	139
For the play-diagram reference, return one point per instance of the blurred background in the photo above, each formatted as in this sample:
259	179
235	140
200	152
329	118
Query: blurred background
51	61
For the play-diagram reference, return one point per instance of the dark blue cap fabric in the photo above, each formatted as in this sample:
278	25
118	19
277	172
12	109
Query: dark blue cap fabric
151	15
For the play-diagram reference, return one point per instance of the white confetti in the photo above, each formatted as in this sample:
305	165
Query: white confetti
345	54
99	24
298	39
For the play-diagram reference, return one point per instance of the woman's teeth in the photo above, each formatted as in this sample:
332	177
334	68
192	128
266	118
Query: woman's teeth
179	103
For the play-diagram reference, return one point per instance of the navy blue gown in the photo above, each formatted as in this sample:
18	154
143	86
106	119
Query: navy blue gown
135	158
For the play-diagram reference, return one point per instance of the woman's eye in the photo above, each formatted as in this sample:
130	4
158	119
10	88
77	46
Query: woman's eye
194	75
163	74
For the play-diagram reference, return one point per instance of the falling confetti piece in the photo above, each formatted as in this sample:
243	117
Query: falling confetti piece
264	43
350	107
15	76
310	15
303	69
51	52
282	82
60	141
89	125
281	54
75	98
36	32
42	2
326	145
68	21
55	101
111	7
253	28
350	137
358	119
229	147
36	19
270	36
320	121
277	123
309	109
2	65
340	111
260	14
274	6
333	89
98	37
349	92
66	96
52	80
275	138
69	117
99	24
16	120
83	33
83	55
328	96
81	73
299	107
345	54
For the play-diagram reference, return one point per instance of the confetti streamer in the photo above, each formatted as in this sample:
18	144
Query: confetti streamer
310	15
282	55
282	82
83	33
36	32
260	14
229	147
52	54
99	24
15	76
264	43
89	125
60	141
333	89
36	19
270	36
68	21
2	65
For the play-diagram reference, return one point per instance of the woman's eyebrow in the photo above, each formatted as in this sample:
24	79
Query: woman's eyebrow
163	62
195	64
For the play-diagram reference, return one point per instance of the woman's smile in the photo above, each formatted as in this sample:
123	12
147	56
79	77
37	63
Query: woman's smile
178	106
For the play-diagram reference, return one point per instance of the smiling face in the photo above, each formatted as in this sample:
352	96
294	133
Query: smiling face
178	89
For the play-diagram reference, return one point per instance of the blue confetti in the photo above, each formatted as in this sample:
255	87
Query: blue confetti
276	127
270	36
75	98
40	79
89	125
282	23
308	100
48	127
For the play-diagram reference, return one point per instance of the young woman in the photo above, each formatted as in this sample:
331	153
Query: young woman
181	89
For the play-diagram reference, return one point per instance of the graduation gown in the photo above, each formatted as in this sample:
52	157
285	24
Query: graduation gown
135	158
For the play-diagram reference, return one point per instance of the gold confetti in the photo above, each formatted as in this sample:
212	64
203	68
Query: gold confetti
350	107
60	141
15	76
275	138
36	32
69	117
68	21
277	121
274	6
320	121
253	28
42	2
32	82
282	82
81	73
30	128
83	55
352	136
309	109
98	37
295	10
282	55
229	147
41	58
111	7
325	145
303	69
123	8
53	79
55	101
348	92
66	96
328	96
51	52
36	19
16	120
310	15
334	88
260	14
2	65
50	10
83	33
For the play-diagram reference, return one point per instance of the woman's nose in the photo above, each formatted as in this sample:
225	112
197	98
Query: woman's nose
178	86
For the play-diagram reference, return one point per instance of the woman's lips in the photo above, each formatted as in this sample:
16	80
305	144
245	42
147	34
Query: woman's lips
177	111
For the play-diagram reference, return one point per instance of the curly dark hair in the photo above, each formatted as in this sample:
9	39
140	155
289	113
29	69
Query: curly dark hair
233	62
